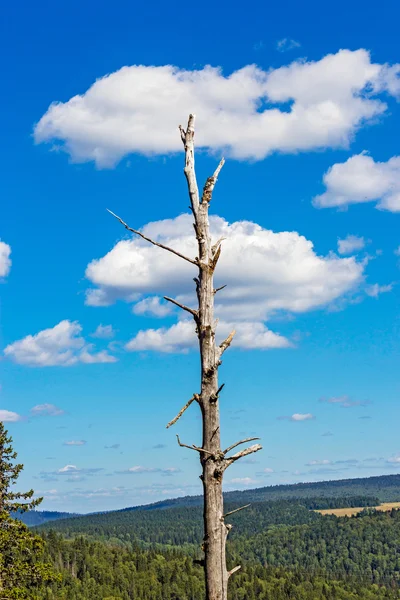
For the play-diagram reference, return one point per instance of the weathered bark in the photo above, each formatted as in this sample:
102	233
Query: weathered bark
214	461
212	458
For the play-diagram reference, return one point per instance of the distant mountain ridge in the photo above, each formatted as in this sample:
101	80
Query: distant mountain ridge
39	517
385	487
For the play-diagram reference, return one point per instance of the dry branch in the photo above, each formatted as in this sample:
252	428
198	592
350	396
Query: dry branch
232	571
218	289
183	307
241	454
135	231
193	447
251	439
210	183
231	512
226	343
180	413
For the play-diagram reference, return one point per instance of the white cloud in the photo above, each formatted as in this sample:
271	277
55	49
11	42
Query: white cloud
68	469
360	179
314	463
5	261
302	417
297	417
104	332
344	401
350	244
152	306
7	416
181	337
330	99
286	44
47	410
376	290
61	345
267	470
75	443
139	470
264	271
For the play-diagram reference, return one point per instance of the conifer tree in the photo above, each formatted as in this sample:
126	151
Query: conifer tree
21	571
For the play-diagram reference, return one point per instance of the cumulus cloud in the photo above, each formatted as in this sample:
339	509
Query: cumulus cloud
5	261
153	307
360	179
104	332
297	417
265	272
350	244
286	44
240	113
47	410
8	416
61	345
181	337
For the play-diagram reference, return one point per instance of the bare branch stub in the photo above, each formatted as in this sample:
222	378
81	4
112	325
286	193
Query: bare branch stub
180	413
218	289
226	343
210	183
232	571
144	237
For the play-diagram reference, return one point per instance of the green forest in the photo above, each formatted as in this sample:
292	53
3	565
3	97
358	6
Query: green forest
286	549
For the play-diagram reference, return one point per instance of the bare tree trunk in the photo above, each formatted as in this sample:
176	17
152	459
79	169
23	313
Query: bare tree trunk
213	459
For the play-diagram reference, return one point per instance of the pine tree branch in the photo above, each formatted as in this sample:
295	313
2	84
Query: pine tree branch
180	413
144	237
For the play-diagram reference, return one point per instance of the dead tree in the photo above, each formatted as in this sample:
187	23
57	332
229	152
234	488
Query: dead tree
213	459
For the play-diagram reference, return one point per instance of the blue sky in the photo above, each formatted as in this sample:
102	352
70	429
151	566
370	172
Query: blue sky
308	200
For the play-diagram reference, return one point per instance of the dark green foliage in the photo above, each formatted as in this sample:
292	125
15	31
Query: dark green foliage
365	547
184	525
179	526
98	571
21	571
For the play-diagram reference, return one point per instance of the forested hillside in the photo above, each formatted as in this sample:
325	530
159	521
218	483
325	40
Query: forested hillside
386	488
286	549
184	525
97	571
